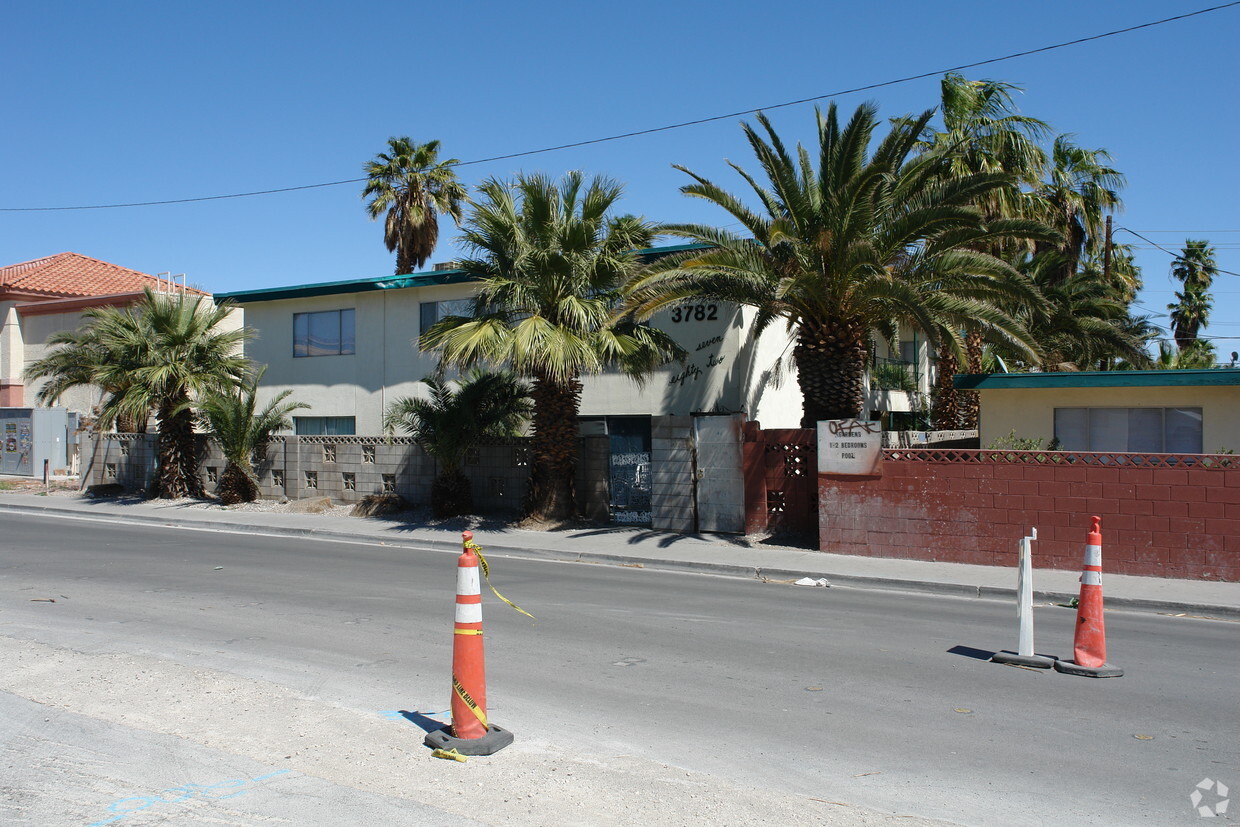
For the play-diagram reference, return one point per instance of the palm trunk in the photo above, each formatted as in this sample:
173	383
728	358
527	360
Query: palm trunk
831	361
236	486
969	404
552	492
178	454
945	406
451	494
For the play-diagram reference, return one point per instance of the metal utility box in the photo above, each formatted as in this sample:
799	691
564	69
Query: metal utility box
28	436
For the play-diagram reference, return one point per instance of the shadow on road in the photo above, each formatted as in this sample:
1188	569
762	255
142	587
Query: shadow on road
427	724
970	652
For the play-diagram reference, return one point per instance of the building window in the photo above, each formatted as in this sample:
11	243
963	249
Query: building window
1129	430
434	311
329	333
324	425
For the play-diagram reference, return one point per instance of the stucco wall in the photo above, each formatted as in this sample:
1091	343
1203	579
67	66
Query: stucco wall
1031	412
726	368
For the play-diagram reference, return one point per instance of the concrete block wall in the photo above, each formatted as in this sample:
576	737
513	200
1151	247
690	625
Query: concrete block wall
125	459
671	468
499	471
1181	521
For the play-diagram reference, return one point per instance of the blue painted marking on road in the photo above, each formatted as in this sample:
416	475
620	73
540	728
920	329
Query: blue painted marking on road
218	791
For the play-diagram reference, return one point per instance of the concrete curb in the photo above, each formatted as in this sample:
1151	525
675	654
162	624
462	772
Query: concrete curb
682	566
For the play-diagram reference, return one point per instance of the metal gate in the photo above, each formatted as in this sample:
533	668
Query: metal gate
629	469
720	479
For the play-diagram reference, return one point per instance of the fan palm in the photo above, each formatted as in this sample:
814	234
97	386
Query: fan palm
1195	268
413	187
69	365
551	259
243	435
159	355
1080	189
845	243
983	132
454	420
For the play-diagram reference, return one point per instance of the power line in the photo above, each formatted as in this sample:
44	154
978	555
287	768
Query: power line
1165	250
668	127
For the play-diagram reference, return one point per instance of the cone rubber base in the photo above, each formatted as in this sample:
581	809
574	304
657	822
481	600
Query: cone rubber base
495	740
1106	670
1036	661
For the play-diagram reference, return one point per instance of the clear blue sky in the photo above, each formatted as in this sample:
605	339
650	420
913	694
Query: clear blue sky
121	102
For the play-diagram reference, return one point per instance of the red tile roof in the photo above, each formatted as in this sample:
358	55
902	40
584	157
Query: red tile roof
67	275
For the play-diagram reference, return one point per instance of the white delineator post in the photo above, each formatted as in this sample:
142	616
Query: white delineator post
1024	610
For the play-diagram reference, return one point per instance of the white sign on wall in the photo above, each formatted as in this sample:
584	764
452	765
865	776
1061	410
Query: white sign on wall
850	446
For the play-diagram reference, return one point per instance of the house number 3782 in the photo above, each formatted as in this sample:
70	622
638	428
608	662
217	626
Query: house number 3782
695	313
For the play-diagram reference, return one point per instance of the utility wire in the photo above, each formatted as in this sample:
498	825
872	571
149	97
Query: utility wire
1165	250
668	127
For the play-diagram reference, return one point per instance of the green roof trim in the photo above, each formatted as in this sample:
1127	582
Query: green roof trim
425	279
1098	379
335	288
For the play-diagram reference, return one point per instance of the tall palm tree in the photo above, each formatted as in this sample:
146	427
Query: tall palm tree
243	434
1196	268
847	242
982	132
454	420
413	187
160	355
551	258
1080	189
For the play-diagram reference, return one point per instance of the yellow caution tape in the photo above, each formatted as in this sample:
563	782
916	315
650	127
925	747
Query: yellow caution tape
451	755
486	573
469	702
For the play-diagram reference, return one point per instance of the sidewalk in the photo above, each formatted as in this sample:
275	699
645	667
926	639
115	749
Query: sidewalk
622	545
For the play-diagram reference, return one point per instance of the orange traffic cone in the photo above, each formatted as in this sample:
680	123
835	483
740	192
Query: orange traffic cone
471	732
1089	650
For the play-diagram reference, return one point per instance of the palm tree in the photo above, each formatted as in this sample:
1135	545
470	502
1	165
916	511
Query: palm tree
70	365
1083	321
412	186
1189	314
1196	268
453	420
160	355
243	435
1080	189
982	132
551	258
847	243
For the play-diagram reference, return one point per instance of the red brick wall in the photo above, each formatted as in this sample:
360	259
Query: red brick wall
1159	521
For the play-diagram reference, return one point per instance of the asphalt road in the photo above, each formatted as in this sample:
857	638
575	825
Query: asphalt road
729	698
